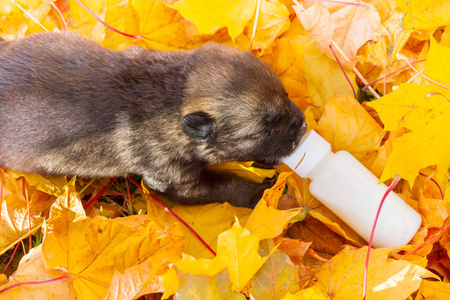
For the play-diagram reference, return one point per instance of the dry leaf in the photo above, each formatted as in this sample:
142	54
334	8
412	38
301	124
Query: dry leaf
15	224
267	222
387	279
239	249
277	276
348	26
32	269
346	125
210	16
93	250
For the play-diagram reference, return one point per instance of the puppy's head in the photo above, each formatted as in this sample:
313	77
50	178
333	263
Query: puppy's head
236	108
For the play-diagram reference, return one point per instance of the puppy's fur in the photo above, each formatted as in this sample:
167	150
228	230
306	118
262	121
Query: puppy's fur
69	106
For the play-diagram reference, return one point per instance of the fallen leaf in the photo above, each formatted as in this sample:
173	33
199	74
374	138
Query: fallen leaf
93	250
347	26
425	14
277	276
312	293
286	59
85	24
346	125
208	221
206	287
324	77
272	196
387	278
239	249
52	185
295	249
434	290
210	16
245	170
15	223
32	270
267	222
427	116
273	21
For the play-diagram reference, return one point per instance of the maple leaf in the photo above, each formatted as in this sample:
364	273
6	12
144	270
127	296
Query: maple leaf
15	218
107	246
286	60
434	289
239	249
273	20
346	125
324	77
277	276
392	279
425	14
267	222
424	111
210	16
348	26
32	269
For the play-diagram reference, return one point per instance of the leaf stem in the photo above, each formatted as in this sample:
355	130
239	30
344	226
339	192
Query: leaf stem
178	218
258	8
435	182
366	270
12	256
403	57
60	15
343	71
106	24
390	74
34	283
103	190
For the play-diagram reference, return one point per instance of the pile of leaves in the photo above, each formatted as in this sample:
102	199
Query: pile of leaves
372	77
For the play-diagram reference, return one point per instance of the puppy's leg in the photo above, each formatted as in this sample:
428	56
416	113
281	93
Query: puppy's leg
218	187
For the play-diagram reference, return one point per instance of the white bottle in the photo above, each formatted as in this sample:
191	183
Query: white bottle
352	192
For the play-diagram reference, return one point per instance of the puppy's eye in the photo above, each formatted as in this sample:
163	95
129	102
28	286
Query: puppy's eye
270	121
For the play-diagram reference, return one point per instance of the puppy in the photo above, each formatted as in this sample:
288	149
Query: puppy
69	106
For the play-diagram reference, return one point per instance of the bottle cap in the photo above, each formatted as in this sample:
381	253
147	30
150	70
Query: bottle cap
314	148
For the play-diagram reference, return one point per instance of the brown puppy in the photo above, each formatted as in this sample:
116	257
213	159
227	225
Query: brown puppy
69	106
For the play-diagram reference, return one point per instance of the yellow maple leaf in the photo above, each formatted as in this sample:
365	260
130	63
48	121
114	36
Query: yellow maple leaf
267	222
387	278
424	111
311	293
273	20
244	170
239	249
164	28
206	287
92	250
210	16
278	275
434	290
16	214
32	269
201	266
286	60
52	185
425	14
347	26
427	115
272	196
206	220
84	23
324	77
346	125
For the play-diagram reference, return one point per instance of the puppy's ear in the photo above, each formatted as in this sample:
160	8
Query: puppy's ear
199	126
